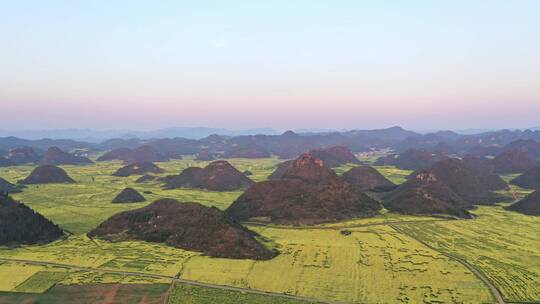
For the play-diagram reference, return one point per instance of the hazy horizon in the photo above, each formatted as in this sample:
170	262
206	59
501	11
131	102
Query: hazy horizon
280	64
276	129
197	132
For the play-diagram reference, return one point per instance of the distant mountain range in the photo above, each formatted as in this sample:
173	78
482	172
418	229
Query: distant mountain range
96	136
223	143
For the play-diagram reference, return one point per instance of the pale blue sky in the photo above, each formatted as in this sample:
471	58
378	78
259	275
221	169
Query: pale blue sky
282	64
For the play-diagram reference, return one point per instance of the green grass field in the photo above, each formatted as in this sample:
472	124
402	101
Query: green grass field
395	175
374	264
42	281
82	206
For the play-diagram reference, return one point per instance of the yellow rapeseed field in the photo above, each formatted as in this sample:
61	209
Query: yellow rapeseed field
373	264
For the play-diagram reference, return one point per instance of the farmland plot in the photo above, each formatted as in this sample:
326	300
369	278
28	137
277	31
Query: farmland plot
188	294
42	281
13	274
395	175
372	265
504	245
92	294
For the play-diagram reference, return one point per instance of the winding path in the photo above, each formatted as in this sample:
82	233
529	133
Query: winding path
176	279
345	226
494	291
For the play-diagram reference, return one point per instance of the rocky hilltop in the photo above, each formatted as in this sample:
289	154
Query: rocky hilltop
367	178
145	178
530	179
7	187
514	161
335	156
530	205
205	155
138	169
472	184
412	159
218	176
308	193
247	151
128	195
142	154
19	156
48	174
280	170
188	226
425	193
448	187
55	156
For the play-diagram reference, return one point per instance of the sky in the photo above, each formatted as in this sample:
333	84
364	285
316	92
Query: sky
337	64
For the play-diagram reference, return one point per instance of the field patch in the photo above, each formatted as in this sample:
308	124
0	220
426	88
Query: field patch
13	274
504	245
41	281
189	294
372	265
395	175
82	251
92	294
92	277
80	207
356	261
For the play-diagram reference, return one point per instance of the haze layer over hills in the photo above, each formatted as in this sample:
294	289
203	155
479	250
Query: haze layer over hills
290	144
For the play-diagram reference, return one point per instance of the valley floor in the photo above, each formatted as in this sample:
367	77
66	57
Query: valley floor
387	259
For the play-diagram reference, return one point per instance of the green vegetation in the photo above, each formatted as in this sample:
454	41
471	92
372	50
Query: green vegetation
80	207
189	294
372	264
41	281
344	168
13	274
509	177
395	175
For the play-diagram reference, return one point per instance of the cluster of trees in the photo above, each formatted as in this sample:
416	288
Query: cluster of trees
21	225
